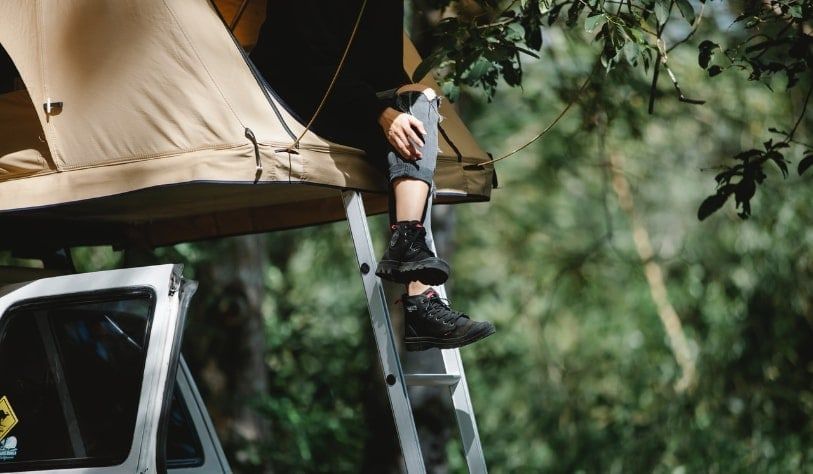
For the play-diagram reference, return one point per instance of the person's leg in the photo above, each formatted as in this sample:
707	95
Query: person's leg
411	193
408	259
429	320
410	199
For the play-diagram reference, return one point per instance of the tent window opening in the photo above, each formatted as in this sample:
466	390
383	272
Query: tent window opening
9	77
23	149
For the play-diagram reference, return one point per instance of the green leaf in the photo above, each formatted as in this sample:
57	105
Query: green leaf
806	163
743	193
777	158
451	91
686	10
533	34
594	22
631	50
511	72
515	32
706	49
795	11
748	154
711	205
478	69
662	10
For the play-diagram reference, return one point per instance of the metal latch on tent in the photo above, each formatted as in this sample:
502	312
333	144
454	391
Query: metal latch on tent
51	107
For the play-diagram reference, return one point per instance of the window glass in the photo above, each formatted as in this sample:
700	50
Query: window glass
183	445
70	373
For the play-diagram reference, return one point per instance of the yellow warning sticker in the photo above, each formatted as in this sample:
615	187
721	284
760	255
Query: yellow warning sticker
7	417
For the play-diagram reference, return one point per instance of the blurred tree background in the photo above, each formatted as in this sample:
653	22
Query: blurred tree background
631	336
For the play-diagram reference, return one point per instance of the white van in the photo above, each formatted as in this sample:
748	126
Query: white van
91	377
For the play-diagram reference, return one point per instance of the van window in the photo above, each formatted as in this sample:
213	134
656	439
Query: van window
70	379
183	445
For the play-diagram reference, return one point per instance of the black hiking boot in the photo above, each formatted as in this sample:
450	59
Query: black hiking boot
431	323
408	258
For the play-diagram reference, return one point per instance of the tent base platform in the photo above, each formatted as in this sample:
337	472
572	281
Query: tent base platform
198	211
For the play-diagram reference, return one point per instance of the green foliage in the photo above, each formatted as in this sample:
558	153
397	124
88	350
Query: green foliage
768	41
749	173
580	377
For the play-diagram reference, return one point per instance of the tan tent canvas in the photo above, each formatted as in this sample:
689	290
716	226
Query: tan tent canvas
142	122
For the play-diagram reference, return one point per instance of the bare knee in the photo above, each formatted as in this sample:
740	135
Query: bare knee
425	90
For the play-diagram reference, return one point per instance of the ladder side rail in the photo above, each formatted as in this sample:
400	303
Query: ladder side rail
461	399
382	329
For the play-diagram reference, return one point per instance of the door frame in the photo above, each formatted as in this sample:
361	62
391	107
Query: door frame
163	344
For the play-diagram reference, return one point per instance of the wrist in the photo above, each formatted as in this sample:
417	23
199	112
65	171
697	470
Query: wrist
387	116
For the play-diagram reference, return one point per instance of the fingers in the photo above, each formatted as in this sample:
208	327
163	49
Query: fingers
413	136
409	126
408	139
399	142
403	135
414	122
415	141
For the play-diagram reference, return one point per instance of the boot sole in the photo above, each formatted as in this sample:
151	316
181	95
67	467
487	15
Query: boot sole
432	271
414	344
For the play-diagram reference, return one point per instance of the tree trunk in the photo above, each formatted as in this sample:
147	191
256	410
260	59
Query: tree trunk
226	342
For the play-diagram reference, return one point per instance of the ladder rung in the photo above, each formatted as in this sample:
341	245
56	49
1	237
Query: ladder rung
432	379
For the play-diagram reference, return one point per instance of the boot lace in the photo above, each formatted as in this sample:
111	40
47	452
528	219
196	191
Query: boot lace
416	236
439	310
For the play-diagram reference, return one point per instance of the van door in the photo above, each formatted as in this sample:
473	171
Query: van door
192	443
84	365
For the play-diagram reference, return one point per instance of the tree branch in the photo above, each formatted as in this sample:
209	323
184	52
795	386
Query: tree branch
801	116
655	278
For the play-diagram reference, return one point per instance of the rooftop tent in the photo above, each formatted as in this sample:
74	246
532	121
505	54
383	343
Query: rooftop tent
142	122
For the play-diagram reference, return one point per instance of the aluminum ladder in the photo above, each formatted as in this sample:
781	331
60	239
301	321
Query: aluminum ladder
397	382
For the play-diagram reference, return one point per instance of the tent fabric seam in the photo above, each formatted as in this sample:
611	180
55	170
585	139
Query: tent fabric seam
47	127
151	156
202	63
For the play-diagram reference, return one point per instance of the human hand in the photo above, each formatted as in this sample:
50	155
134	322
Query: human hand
401	130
